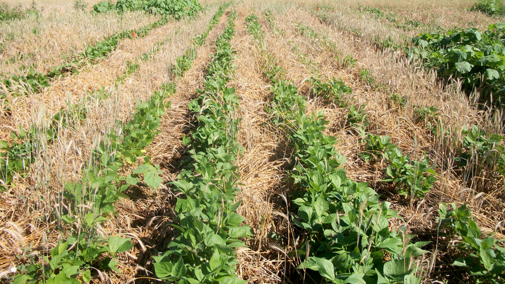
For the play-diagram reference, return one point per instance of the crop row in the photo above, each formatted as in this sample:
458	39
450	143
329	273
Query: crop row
34	82
346	227
204	251
17	157
478	151
87	203
177	9
482	255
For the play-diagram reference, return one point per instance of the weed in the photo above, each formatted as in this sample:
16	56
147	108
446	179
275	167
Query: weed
367	77
398	100
80	5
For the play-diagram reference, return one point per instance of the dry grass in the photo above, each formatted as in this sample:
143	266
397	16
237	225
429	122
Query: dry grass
262	179
25	110
23	214
264	164
43	42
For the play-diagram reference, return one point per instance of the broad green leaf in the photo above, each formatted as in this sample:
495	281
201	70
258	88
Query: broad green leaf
152	179
119	245
21	279
86	276
392	245
487	259
60	278
394	269
239	232
356	277
320	206
142	169
132	180
410	279
179	268
492	74
326	268
235	219
163	269
463	67
215	260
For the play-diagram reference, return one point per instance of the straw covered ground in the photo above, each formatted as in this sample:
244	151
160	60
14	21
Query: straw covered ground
305	41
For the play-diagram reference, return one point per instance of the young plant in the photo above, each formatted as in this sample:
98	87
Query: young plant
482	255
346	227
210	230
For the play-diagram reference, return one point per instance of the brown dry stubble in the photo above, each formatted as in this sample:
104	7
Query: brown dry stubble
21	210
58	34
420	89
262	179
147	216
26	109
445	14
411	137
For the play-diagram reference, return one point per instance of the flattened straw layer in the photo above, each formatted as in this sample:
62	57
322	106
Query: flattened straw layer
64	160
261	176
74	88
147	215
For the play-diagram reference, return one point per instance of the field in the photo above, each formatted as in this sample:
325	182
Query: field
251	142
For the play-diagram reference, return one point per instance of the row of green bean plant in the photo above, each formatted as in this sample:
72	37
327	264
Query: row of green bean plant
412	178
34	82
210	230
86	204
348	239
480	254
17	156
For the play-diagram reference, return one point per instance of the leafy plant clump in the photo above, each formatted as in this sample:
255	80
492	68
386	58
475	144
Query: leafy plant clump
475	57
346	227
481	255
413	178
489	7
482	149
8	13
103	7
175	8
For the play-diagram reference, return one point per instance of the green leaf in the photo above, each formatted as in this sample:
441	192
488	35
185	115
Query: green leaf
163	269
90	217
179	269
215	260
4	145
131	180
152	179
326	268
320	206
142	169
235	219
463	67
487	258
392	245
119	245
21	279
239	232
414	251
492	74
356	277
86	276
394	269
